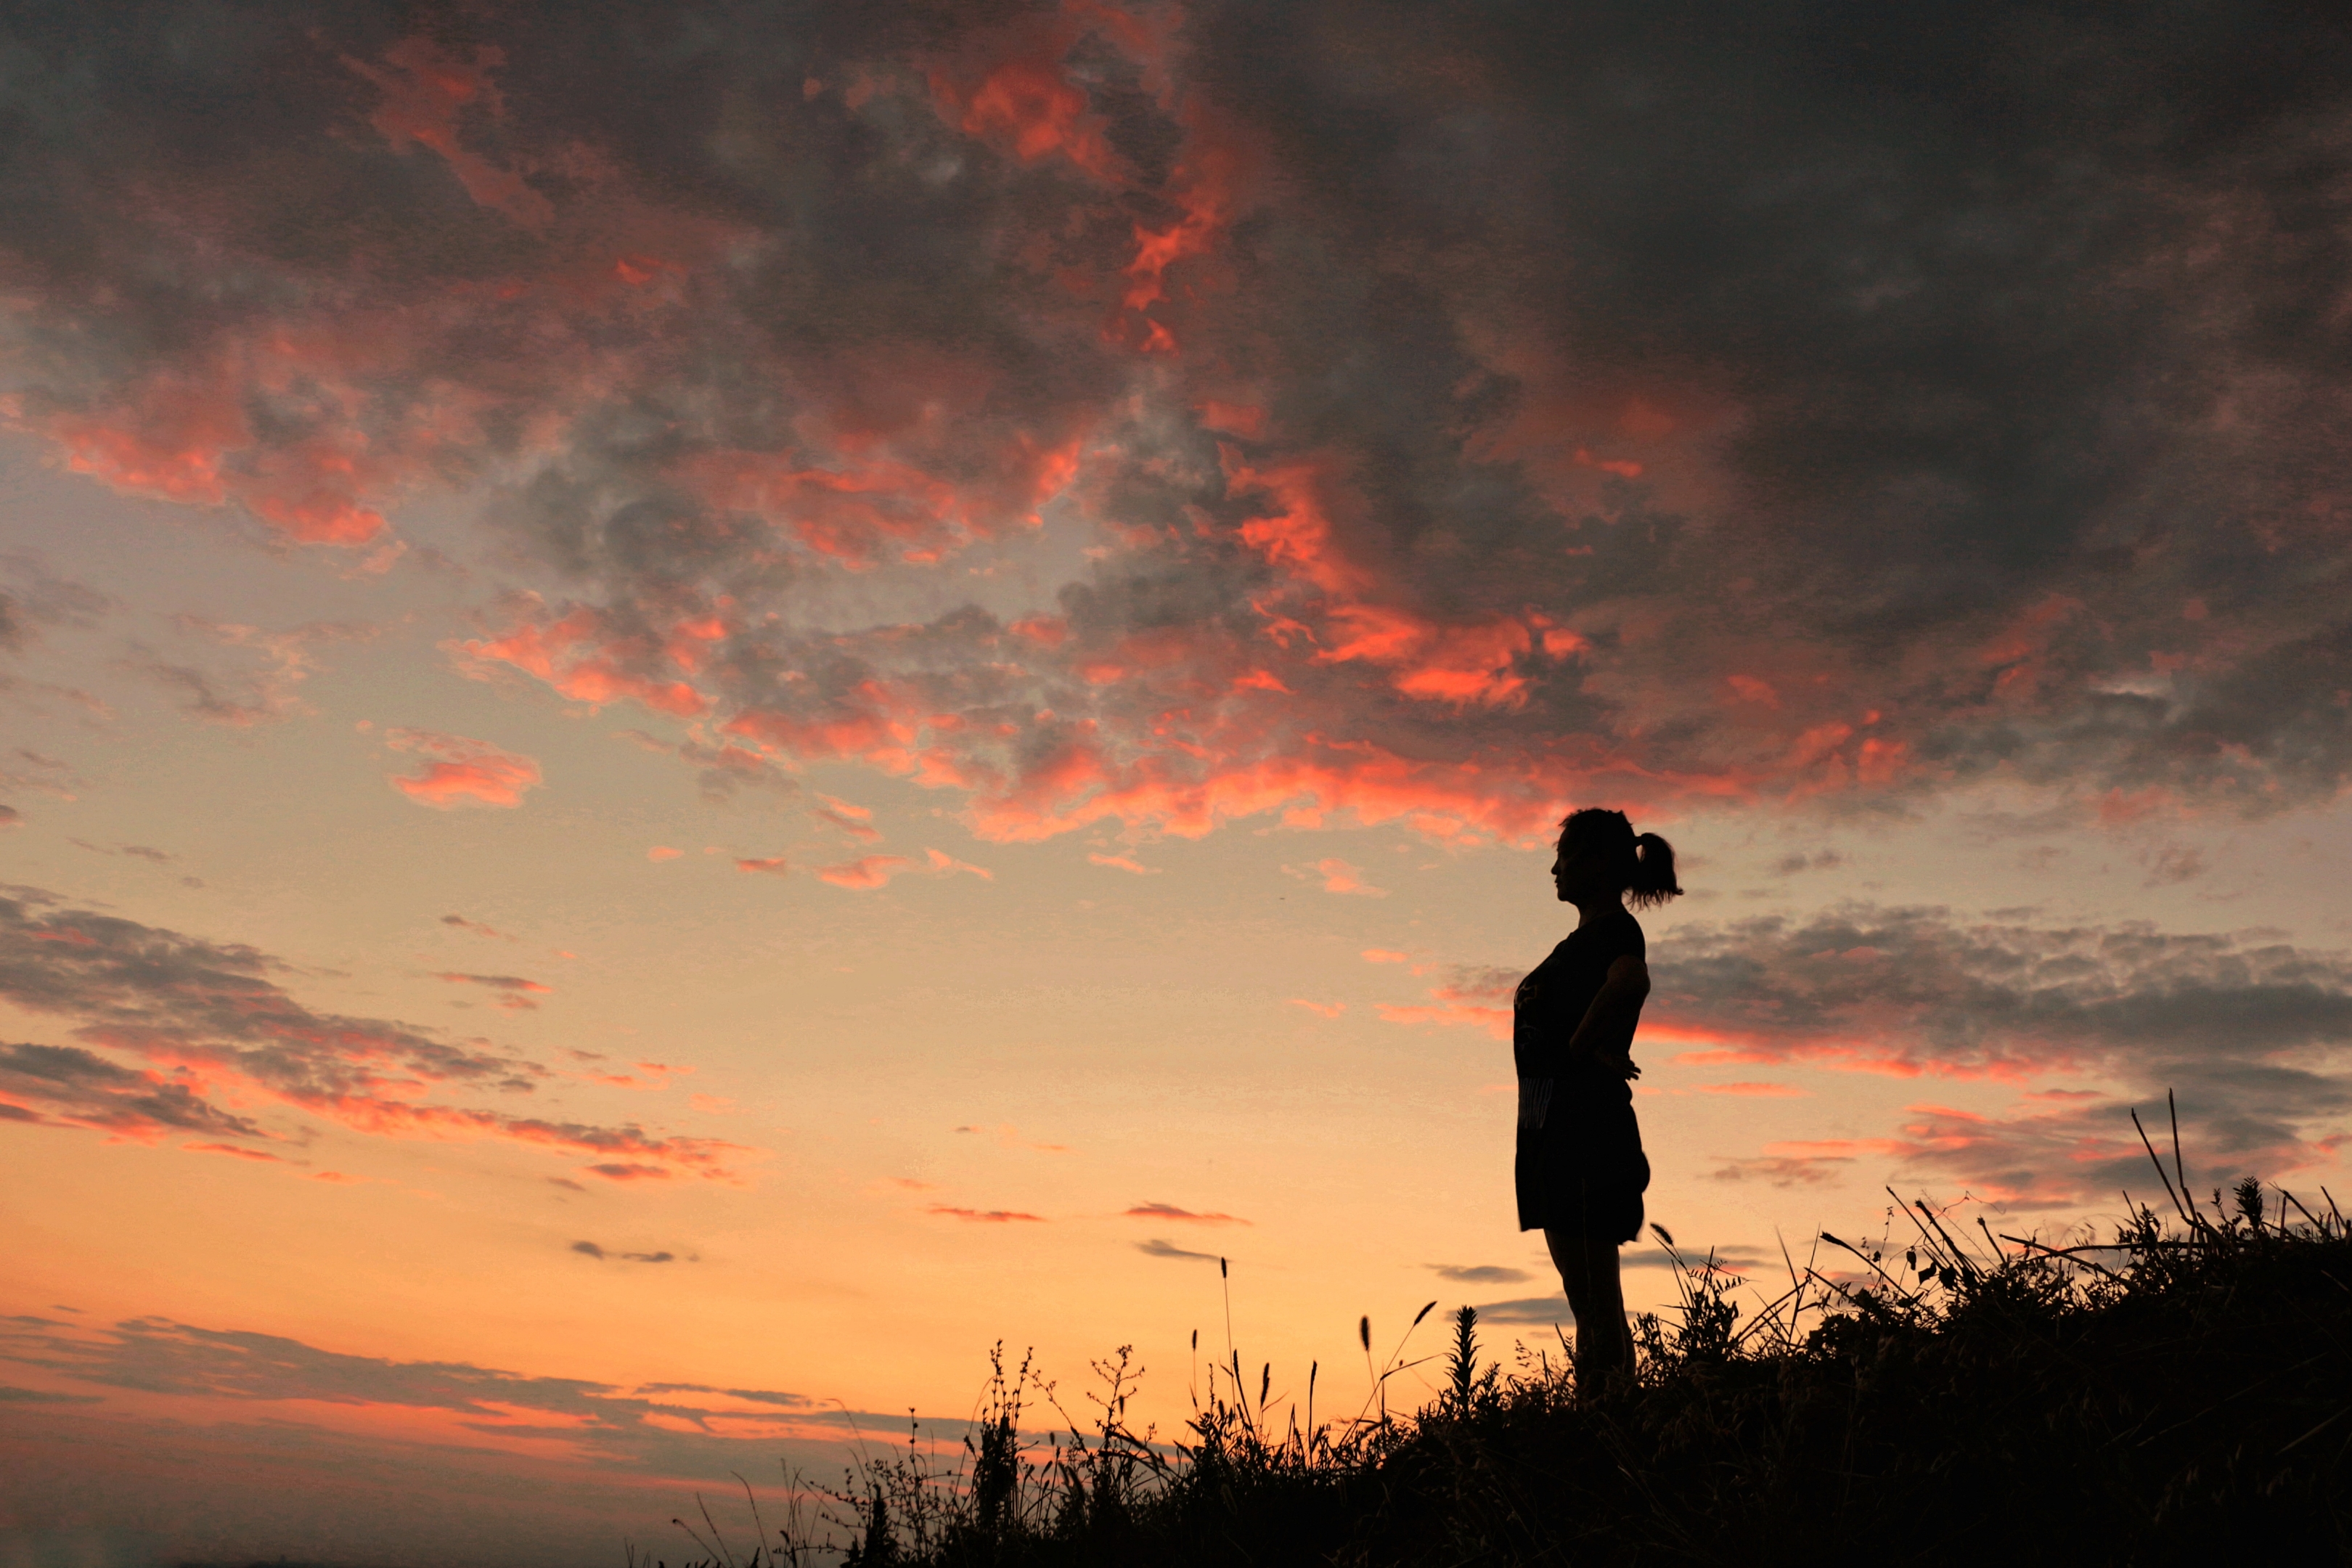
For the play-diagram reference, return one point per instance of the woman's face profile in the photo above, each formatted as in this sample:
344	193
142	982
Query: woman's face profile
1572	870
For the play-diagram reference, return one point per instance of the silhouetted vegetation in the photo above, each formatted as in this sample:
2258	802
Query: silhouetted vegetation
1950	1393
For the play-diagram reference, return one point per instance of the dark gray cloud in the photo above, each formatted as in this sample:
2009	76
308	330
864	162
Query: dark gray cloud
1155	1247
1528	1310
757	1395
155	1355
1478	1274
11	1394
591	1249
1734	1262
1738	1261
180	1003
33	599
2249	1031
27	769
263	688
476	927
1820	860
1627	402
34	602
65	1085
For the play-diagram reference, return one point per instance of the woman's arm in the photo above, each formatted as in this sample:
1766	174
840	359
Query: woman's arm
1606	1035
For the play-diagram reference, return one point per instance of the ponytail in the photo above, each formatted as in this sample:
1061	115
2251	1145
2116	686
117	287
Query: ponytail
1646	861
1653	873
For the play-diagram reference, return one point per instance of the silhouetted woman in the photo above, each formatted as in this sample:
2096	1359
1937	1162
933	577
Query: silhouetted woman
1580	1171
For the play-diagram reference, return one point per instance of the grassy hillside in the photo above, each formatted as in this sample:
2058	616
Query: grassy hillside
2181	1393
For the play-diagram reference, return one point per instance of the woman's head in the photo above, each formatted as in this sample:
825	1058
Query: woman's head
1600	858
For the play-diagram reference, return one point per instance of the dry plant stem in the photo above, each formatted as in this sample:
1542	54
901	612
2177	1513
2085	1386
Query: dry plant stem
2158	1163
2071	1253
758	1525
2179	1170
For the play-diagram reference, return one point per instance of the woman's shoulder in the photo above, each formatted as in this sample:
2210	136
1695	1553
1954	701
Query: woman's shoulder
1622	933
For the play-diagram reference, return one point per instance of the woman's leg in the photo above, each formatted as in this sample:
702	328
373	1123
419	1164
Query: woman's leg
1596	1294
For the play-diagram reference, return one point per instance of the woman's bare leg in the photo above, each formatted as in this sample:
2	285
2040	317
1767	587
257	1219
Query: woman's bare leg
1596	1294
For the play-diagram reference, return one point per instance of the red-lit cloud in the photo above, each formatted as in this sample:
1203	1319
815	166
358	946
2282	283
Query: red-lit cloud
854	820
1128	863
426	89
864	873
1473	995
460	771
985	1216
65	1086
945	865
1339	877
208	1030
233	1151
1377	529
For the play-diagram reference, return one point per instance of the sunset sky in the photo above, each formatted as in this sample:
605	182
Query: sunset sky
705	704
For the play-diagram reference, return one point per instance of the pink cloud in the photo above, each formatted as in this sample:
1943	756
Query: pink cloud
426	89
1326	1009
1339	877
1761	1090
866	872
1386	956
1467	994
857	821
1125	863
583	659
661	852
655	1075
773	867
516	992
946	865
461	771
1495	1021
232	1150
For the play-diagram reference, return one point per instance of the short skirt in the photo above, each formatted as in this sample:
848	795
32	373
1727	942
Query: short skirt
1580	1168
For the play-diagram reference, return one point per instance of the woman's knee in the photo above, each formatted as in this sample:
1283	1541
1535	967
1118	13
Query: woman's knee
1600	1266
1569	1256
